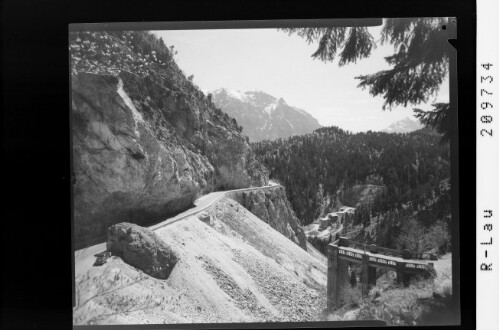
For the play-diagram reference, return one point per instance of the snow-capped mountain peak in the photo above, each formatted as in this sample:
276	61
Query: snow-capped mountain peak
236	94
262	115
301	111
256	98
405	125
271	107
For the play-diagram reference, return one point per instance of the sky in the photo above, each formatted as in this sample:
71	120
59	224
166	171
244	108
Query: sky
281	65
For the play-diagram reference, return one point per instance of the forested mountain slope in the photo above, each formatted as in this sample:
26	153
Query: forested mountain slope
319	170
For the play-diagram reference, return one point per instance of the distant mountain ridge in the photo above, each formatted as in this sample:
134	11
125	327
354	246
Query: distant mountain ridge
405	125
263	116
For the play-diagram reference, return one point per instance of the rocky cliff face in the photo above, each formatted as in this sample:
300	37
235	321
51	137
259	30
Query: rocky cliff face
145	140
272	206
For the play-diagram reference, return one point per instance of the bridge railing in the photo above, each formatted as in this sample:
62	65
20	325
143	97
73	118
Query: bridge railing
404	254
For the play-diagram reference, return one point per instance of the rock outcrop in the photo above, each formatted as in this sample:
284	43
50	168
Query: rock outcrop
272	206
146	141
142	249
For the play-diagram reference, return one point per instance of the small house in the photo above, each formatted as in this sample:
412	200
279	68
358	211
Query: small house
324	223
333	217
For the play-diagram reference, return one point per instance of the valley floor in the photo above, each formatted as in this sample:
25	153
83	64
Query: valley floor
234	269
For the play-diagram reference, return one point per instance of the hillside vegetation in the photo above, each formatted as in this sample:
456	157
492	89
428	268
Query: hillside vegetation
398	183
409	165
147	143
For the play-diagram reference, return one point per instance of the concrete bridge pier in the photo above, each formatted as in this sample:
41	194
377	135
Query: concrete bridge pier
402	277
343	251
371	276
337	273
368	276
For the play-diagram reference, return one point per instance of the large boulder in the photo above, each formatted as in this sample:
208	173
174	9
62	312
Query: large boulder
141	248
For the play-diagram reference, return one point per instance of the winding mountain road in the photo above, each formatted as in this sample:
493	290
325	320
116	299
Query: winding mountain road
84	258
203	202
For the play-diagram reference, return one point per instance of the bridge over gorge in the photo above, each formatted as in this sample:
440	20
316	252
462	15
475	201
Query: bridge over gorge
344	251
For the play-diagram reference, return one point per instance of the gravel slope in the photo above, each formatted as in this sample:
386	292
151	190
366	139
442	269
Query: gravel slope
234	269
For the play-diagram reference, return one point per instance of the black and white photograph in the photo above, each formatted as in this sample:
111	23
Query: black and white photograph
297	173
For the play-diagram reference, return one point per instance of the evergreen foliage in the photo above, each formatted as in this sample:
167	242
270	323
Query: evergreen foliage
439	119
419	63
331	161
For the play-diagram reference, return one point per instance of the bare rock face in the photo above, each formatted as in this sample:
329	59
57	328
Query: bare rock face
122	171
145	140
273	207
141	248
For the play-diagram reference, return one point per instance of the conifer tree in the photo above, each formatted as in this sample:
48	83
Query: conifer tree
419	63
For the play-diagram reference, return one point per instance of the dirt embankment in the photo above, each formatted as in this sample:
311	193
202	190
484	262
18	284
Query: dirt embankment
232	267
